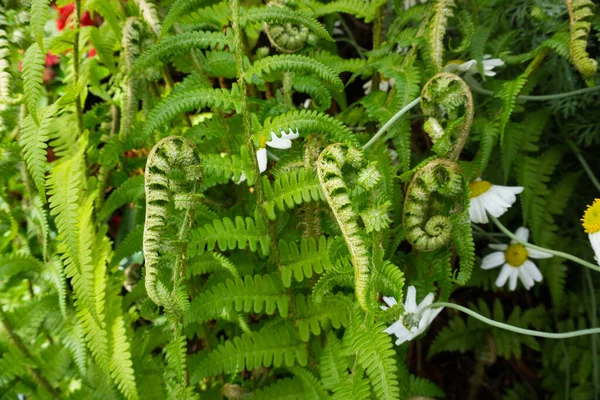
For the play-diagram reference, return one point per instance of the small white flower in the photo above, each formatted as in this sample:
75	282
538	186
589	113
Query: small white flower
591	225
516	263
384	85
494	199
283	142
415	320
470	67
307	103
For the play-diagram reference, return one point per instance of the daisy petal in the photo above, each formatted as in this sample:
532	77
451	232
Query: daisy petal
533	271
390	301
537	254
503	276
512	281
522	234
261	156
498	246
426	301
493	260
525	278
595	242
410	306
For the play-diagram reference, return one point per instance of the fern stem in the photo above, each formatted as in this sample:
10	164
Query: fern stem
351	39
516	329
584	164
476	87
545	250
16	340
593	323
76	65
391	121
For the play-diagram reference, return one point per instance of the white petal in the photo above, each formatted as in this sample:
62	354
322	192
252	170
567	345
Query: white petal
525	278
452	67
279	142
477	211
410	305
493	260
501	196
512	281
426	302
390	301
489	73
261	156
494	62
470	66
595	242
503	276
367	86
290	136
533	271
498	246
537	254
493	207
396	328
403	338
242	178
522	234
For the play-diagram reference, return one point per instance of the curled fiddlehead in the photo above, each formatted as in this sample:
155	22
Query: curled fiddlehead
580	14
173	170
436	195
329	167
289	37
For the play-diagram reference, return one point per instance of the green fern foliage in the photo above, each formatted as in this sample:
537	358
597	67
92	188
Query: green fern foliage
39	15
33	69
443	10
291	189
301	261
581	12
129	192
279	15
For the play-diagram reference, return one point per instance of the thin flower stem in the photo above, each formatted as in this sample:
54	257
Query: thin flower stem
584	164
545	250
391	121
476	87
516	329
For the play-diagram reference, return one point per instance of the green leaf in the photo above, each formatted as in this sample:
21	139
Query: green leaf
33	70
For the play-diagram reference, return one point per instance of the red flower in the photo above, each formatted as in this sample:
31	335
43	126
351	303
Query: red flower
66	11
92	52
51	59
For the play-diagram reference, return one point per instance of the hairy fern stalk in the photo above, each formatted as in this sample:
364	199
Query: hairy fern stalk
257	200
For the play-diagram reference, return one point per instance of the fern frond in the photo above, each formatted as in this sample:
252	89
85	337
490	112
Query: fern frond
313	388
330	279
421	387
294	63
332	362
129	191
315	89
301	263
354	386
221	168
179	9
290	189
33	70
33	142
307	122
281	15
274	346
150	14
182	43
443	10
375	354
281	390
339	64
251	294
121	365
358	8
13	264
228	235
311	319
581	12
128	246
39	15
190	100
208	263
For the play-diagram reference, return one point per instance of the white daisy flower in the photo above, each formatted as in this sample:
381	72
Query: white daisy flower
494	199
415	320
384	85
470	67
515	263
283	142
591	225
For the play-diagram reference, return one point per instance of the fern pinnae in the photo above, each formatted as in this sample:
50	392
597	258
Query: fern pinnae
437	30
329	167
581	12
170	152
33	69
289	190
294	63
39	15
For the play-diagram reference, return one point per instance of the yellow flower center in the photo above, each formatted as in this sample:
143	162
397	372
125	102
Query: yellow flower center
263	141
515	255
479	187
591	218
459	62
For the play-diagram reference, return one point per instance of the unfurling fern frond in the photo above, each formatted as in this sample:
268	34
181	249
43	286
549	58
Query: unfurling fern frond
315	89
300	263
251	294
229	235
358	8
581	12
294	63
180	44
329	167
443	10
275	346
167	156
129	191
291	189
281	15
33	141
308	122
150	14
33	69
375	354
178	103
